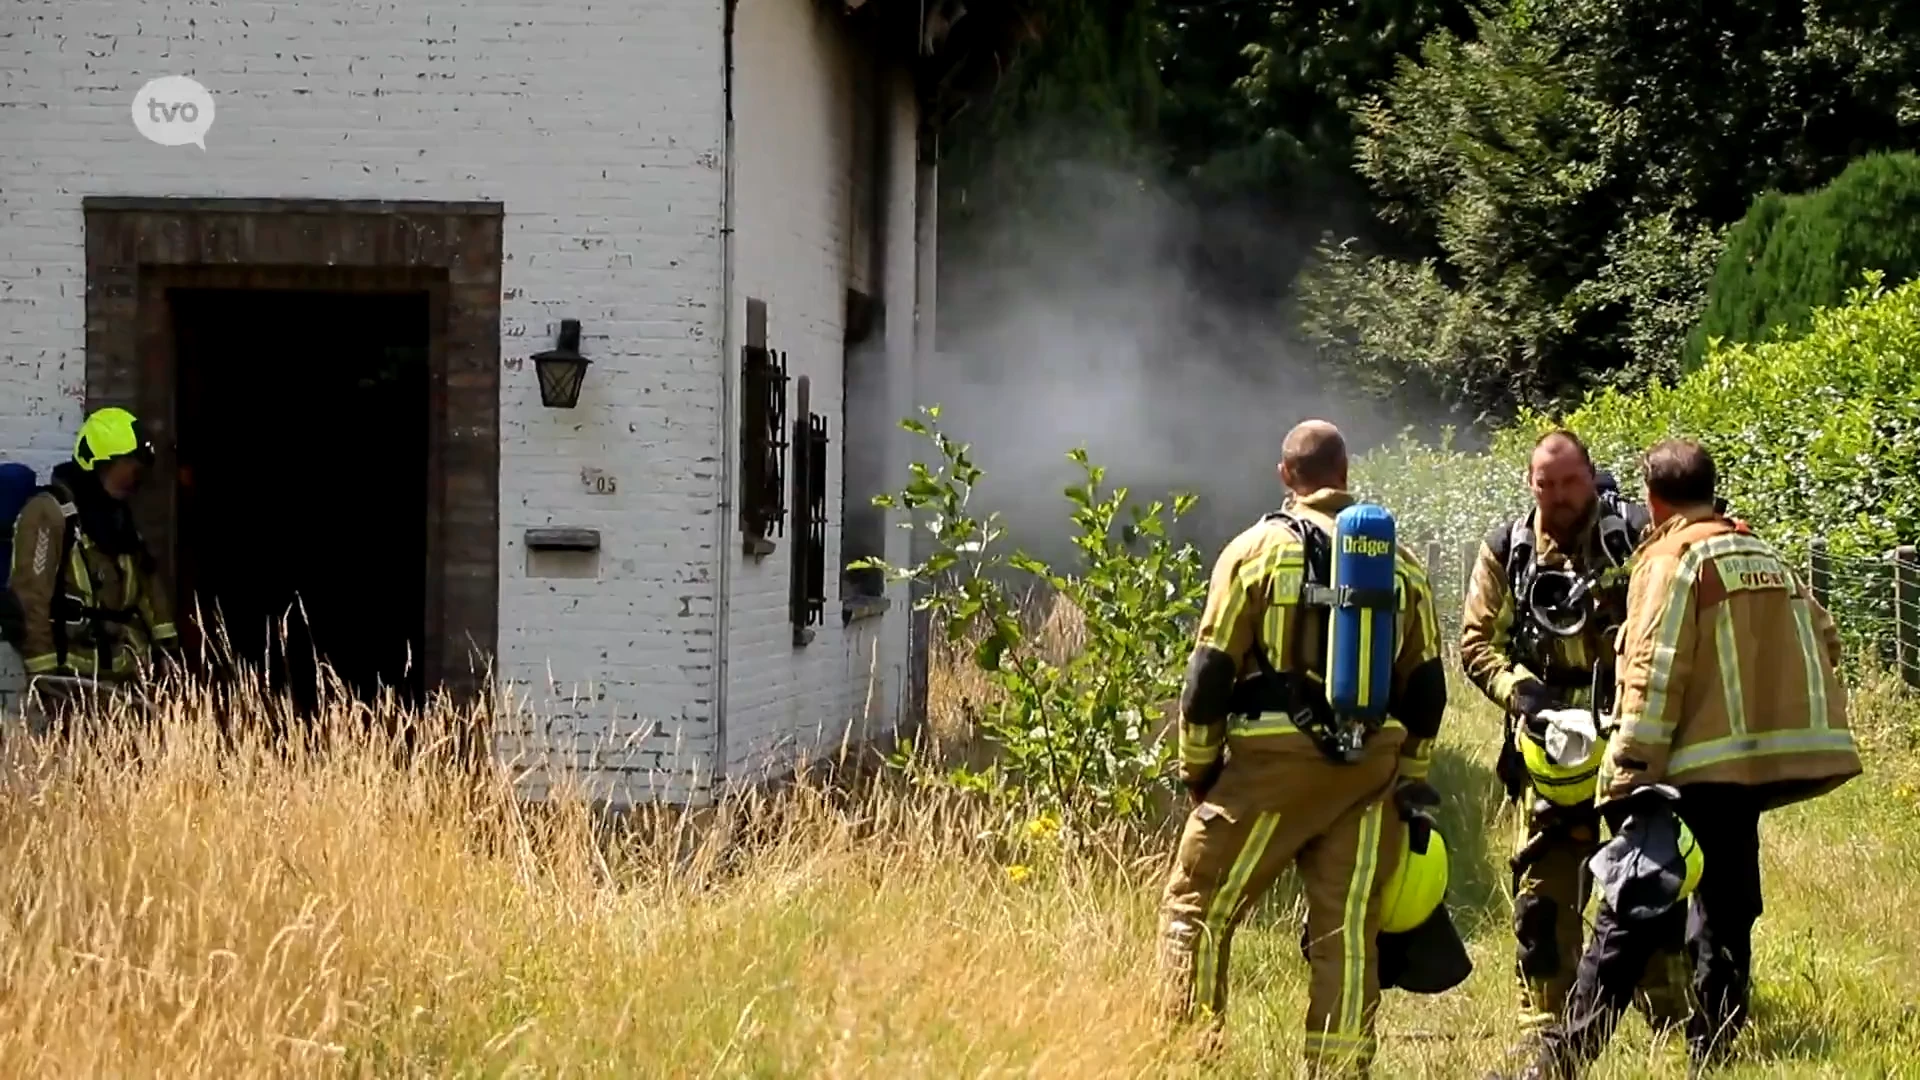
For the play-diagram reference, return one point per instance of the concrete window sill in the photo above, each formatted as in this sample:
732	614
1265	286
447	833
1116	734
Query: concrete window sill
857	608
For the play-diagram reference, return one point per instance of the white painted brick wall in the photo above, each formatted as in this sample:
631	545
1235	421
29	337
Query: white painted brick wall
599	126
794	116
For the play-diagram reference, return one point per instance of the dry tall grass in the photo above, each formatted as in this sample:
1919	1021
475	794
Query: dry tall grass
178	905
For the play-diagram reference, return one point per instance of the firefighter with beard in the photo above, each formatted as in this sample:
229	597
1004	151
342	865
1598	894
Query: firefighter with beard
1547	592
1731	705
1278	779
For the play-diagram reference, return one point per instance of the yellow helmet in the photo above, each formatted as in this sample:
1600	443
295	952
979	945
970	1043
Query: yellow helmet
110	433
1419	880
1653	861
1568	784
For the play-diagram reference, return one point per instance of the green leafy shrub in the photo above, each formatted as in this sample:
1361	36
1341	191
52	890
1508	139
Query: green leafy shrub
1075	728
1818	436
1794	253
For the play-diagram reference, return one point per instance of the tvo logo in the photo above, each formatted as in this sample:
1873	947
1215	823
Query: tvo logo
174	110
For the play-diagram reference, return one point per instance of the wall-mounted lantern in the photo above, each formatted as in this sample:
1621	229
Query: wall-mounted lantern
562	369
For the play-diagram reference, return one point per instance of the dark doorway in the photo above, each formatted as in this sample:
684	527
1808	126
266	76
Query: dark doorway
302	419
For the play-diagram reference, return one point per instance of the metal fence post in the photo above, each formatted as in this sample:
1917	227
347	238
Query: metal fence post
1906	612
1820	572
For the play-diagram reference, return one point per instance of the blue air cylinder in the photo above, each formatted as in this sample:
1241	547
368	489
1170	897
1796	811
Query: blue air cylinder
1360	640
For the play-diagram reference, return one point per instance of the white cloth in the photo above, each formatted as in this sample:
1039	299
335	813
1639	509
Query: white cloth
1571	734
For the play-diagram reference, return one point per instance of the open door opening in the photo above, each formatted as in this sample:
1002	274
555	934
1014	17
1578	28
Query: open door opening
303	435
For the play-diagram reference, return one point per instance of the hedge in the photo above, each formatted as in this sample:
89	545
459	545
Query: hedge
1793	253
1814	436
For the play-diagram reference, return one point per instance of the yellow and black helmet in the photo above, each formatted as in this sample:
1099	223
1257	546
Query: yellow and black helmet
1566	782
111	433
1653	861
1418	883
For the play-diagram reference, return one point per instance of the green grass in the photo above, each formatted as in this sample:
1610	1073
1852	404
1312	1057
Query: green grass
246	914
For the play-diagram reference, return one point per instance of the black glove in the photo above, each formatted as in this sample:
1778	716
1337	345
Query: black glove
1198	787
1416	798
1531	698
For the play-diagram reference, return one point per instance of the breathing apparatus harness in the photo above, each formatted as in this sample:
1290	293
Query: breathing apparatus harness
1301	692
1555	603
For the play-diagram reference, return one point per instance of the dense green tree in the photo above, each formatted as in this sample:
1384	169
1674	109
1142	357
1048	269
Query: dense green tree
1576	165
1238	109
1793	253
1078	102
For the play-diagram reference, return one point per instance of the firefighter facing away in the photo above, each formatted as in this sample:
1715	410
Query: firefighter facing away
1546	592
1276	779
84	586
1729	705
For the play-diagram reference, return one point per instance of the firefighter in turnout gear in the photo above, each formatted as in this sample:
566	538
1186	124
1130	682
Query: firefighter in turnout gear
1730	705
1547	592
1277	779
84	588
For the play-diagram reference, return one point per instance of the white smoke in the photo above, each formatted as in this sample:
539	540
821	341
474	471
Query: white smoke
1077	327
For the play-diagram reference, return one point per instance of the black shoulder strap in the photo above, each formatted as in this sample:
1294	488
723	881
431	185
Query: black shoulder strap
1621	525
1315	549
69	512
1498	539
1316	586
1516	551
1313	580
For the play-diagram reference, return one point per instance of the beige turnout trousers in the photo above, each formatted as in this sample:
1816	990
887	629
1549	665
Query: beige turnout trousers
1280	802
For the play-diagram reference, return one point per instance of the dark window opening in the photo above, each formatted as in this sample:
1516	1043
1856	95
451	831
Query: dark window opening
809	580
763	427
303	420
866	430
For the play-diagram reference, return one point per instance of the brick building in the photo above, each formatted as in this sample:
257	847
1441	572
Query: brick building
327	317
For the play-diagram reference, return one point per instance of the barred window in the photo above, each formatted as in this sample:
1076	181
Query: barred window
809	585
763	427
866	434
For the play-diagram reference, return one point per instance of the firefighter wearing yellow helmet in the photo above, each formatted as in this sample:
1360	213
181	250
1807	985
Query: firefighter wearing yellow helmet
86	599
1314	693
1729	705
1546	591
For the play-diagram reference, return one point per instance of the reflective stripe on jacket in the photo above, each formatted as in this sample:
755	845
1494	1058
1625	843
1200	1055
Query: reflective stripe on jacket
1256	585
1728	669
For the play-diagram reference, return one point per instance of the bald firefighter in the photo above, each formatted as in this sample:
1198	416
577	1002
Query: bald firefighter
1277	780
85	592
1525	595
1730	705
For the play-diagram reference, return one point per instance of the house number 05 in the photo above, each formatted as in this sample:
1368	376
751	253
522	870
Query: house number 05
597	482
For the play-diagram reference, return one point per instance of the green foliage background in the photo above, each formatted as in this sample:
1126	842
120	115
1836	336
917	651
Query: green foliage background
1816	436
1792	253
1495	205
